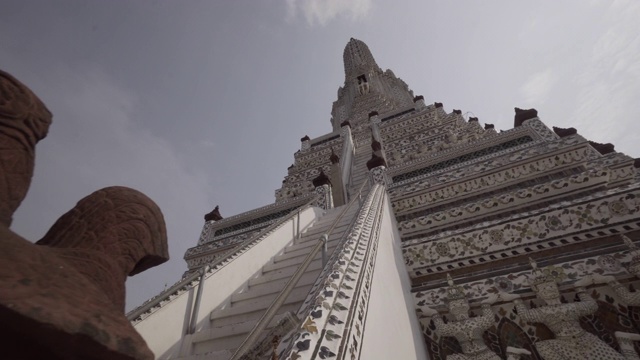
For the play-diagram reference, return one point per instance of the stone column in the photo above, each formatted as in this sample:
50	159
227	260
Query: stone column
306	143
375	121
337	188
348	152
323	189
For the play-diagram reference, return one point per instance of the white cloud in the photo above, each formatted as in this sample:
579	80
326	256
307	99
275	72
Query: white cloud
96	141
536	89
608	85
322	11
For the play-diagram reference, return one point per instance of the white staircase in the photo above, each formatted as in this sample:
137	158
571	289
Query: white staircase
359	170
230	325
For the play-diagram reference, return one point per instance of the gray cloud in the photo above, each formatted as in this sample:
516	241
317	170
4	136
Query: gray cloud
205	103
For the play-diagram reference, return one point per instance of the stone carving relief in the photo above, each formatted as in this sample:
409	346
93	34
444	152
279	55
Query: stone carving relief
512	174
24	120
614	323
64	297
631	298
563	319
503	201
528	229
487	162
467	330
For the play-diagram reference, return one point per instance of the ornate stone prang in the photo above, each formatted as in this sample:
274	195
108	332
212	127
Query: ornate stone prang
523	115
603	148
564	132
214	215
24	120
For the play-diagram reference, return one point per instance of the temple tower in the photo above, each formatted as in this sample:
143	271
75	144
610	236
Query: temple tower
351	259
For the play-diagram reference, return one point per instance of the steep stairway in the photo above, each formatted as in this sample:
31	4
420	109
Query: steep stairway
359	170
230	325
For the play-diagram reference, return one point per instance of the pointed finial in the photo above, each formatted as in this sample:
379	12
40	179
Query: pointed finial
213	215
450	280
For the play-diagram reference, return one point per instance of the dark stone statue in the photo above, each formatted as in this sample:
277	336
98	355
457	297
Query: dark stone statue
63	298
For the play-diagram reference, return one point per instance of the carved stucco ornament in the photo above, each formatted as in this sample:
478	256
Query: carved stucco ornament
467	330
64	297
572	342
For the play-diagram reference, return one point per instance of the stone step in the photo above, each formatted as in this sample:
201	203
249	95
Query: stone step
274	286
209	355
290	264
304	251
281	273
317	231
300	291
234	315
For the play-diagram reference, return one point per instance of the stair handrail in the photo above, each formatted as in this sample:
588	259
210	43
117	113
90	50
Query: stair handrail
213	265
275	305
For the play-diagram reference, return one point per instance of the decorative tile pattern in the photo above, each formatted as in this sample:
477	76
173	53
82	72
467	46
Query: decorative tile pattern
324	197
527	229
517	172
379	176
503	201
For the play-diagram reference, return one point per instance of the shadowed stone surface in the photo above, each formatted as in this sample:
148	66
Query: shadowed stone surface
64	297
24	120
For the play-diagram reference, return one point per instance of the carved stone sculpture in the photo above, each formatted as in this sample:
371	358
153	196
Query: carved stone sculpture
24	120
468	331
628	297
571	342
64	297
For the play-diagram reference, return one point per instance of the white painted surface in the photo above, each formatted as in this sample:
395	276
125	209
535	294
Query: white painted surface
392	330
164	331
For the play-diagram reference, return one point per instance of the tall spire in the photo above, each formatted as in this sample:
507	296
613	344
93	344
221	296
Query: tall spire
357	59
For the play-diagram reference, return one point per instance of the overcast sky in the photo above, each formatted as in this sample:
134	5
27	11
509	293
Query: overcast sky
198	103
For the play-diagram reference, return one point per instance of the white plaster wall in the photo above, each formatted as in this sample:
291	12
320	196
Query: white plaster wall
392	330
165	329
